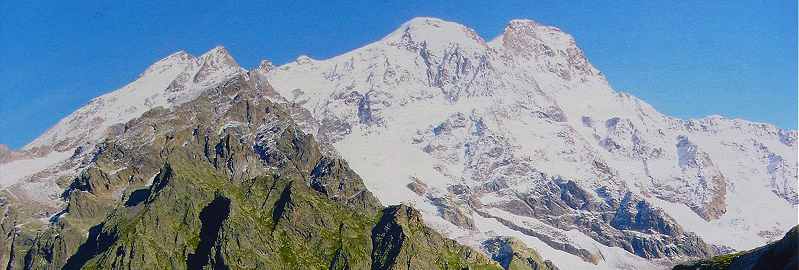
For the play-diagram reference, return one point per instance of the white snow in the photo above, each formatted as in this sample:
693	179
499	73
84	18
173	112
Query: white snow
176	79
15	171
540	103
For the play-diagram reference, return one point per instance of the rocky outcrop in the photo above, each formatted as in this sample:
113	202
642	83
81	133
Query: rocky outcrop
630	223
401	241
514	255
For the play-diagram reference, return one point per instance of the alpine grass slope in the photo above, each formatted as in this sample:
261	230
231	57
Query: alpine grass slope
516	147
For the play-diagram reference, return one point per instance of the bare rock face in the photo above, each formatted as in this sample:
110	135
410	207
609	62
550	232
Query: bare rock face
630	223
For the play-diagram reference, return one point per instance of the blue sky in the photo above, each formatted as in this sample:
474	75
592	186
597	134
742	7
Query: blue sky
734	58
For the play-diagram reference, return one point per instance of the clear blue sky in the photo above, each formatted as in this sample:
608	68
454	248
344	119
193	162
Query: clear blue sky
734	58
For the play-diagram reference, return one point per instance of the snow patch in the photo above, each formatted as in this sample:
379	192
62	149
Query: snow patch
16	171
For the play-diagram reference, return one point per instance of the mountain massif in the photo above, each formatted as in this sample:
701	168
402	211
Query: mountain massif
431	148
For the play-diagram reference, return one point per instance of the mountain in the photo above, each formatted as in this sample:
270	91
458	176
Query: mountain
522	136
777	255
175	79
516	147
223	181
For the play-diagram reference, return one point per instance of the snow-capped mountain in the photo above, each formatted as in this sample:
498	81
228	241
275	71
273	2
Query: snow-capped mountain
175	79
516	136
34	172
521	135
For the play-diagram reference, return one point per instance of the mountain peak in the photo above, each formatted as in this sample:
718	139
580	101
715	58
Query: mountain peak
529	29
216	61
164	83
218	50
219	56
547	46
434	33
177	58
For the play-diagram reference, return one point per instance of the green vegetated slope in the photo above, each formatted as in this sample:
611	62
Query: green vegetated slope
781	254
228	181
